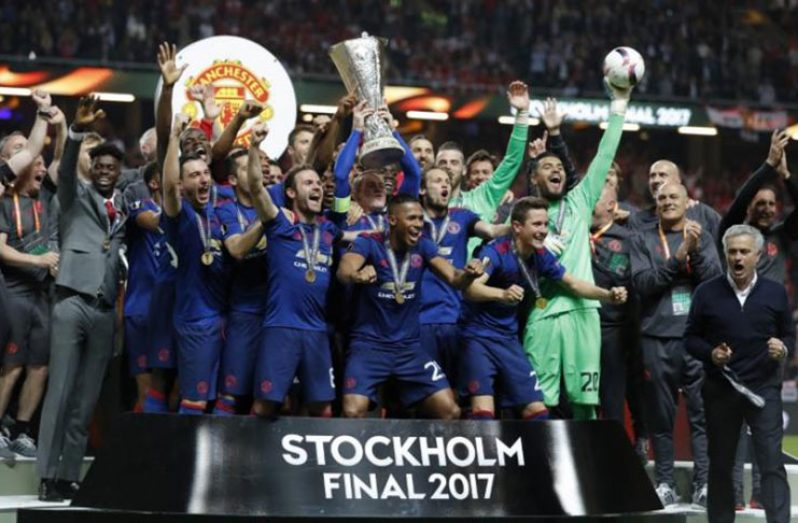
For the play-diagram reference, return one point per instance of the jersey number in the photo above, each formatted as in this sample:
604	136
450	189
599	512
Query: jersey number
590	381
437	372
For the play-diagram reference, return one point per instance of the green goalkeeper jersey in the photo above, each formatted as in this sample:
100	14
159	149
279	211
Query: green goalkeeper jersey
485	199
570	218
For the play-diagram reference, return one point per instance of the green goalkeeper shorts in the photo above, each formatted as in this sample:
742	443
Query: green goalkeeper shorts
567	345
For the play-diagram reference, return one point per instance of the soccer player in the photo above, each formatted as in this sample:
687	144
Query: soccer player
294	341
563	339
668	262
449	229
514	267
194	229
246	243
388	268
422	150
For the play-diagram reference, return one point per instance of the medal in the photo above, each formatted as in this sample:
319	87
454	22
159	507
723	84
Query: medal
541	303
106	244
311	251
399	275
205	237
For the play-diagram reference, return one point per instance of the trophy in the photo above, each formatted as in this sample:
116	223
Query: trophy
361	64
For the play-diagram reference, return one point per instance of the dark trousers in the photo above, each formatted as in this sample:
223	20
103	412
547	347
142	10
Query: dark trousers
81	346
725	411
621	375
668	369
5	318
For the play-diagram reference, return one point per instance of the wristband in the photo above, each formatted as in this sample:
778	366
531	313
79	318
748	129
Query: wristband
618	106
43	114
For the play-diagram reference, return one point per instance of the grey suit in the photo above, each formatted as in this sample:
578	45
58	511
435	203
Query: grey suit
82	319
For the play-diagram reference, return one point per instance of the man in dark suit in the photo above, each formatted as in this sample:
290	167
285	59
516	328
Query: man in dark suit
91	227
741	323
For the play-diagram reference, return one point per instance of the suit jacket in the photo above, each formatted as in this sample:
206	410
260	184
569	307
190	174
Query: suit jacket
87	266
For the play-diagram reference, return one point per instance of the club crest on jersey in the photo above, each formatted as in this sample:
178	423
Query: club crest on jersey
773	249
231	83
614	245
453	228
416	261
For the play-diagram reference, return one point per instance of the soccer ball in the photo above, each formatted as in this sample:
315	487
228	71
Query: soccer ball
624	67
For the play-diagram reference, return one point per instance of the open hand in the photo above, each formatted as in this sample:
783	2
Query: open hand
518	95
87	113
170	73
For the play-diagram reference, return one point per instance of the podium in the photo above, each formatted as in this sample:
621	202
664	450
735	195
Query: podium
186	468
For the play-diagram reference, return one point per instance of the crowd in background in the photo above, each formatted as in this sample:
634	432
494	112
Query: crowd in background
707	50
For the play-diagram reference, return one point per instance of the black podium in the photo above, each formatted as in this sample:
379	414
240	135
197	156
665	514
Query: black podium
183	468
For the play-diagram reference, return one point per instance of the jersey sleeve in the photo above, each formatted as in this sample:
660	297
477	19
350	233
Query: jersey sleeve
362	246
428	249
277	193
470	219
279	226
491	261
229	220
548	266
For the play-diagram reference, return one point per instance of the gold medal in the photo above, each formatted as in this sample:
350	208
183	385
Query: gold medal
541	303
310	275
207	258
399	296
107	245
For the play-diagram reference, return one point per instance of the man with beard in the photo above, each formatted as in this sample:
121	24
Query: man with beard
246	244
562	336
387	270
91	231
493	360
193	227
756	205
449	229
660	173
28	265
668	262
422	151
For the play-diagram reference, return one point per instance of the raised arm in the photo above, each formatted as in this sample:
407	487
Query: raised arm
223	146
85	117
57	120
170	74
552	118
24	158
346	159
171	168
325	139
261	201
491	192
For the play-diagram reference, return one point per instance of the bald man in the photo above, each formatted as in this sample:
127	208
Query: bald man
660	173
669	260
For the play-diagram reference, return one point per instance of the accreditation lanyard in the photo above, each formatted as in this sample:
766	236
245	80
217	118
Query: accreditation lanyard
18	215
596	236
666	250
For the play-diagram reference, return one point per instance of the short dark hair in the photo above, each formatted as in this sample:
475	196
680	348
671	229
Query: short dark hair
107	149
418	137
289	182
428	170
533	164
230	161
524	205
151	171
400	199
481	156
451	146
298	129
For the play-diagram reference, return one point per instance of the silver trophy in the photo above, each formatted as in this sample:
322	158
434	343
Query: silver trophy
361	64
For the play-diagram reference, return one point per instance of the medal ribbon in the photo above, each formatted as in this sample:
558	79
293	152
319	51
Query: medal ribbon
560	217
376	226
399	275
530	277
18	215
205	234
311	253
437	235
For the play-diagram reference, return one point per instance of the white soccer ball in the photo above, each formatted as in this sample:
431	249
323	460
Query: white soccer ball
624	67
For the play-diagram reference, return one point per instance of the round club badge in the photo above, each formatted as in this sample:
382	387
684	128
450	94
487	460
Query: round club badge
238	70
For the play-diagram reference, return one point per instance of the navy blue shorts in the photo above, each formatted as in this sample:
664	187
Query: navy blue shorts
498	367
199	345
368	365
442	342
288	353
243	332
162	342
136	344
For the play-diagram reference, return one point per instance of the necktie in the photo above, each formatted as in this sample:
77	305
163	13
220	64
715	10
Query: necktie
109	206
